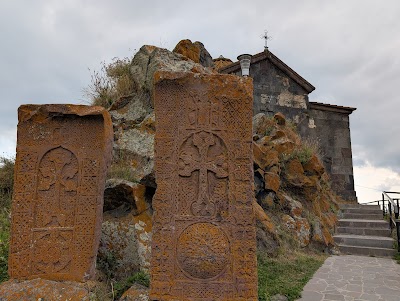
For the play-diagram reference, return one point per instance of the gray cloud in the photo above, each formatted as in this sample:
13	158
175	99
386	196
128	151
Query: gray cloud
347	49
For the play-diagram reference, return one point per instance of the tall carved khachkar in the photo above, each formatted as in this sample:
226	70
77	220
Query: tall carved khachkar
62	156
204	244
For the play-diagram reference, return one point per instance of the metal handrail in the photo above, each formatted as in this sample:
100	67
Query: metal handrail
390	209
393	204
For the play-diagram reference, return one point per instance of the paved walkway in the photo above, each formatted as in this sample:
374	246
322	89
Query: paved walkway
354	278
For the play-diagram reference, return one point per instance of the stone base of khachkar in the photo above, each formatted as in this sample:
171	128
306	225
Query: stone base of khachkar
43	289
204	243
62	156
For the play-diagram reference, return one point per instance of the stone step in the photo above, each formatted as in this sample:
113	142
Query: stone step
363	210
364	231
362	216
363	223
364	241
355	206
367	251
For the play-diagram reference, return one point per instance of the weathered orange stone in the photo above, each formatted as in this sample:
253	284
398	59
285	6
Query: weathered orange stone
189	50
62	156
41	289
314	166
204	242
280	118
272	181
263	218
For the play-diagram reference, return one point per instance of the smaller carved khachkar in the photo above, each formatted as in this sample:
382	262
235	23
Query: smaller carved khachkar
62	156
204	244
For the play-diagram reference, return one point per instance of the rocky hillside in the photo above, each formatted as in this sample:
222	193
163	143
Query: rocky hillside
294	205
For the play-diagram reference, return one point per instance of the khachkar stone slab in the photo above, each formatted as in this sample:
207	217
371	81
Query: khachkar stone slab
62	156
204	242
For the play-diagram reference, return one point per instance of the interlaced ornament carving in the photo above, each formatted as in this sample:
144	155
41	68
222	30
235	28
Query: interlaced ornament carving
59	182
203	245
52	251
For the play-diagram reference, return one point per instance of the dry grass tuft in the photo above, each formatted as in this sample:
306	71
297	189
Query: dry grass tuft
113	81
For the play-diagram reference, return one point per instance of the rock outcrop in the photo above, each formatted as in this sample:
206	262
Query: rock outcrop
195	52
133	116
291	183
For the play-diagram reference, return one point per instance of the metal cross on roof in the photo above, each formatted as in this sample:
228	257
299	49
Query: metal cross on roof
266	37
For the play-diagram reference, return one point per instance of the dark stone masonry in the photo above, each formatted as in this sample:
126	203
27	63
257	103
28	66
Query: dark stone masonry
278	88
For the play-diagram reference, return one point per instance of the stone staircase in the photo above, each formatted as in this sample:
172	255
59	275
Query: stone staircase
361	230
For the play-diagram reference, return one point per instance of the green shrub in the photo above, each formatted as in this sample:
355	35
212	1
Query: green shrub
122	286
303	152
4	243
6	181
107	264
6	190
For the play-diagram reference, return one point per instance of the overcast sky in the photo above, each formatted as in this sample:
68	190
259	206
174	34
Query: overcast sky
349	50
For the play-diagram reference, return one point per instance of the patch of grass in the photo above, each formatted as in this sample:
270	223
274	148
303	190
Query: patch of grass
122	286
312	145
112	288
304	152
286	275
107	264
121	170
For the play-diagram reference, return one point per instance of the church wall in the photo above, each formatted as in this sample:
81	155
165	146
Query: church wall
274	91
332	131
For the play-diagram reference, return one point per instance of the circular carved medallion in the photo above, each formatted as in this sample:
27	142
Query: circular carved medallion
203	251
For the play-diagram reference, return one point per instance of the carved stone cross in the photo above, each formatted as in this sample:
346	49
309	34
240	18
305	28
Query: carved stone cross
59	170
197	158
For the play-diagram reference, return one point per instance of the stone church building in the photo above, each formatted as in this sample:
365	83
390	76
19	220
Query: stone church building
278	88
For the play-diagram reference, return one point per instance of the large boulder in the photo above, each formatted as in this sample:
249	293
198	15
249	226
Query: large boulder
195	52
